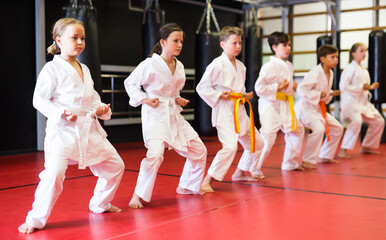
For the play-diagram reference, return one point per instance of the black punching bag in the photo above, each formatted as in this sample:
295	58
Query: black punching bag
84	11
253	62
151	22
207	49
377	64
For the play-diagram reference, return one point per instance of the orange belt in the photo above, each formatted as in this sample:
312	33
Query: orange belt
238	97
284	97
323	110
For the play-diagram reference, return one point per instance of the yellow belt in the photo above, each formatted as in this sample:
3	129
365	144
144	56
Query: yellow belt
323	110
238	97
284	97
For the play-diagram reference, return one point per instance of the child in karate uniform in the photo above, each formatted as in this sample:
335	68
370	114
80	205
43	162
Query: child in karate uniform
275	87
221	87
64	93
156	84
356	106
315	92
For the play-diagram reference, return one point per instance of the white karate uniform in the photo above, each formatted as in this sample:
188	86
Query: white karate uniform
220	76
356	107
58	88
275	114
164	126
308	111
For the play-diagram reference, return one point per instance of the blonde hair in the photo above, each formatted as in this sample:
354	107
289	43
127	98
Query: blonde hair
229	30
58	29
353	49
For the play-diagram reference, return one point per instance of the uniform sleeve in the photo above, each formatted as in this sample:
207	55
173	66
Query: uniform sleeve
307	89
264	85
205	87
42	98
134	82
346	80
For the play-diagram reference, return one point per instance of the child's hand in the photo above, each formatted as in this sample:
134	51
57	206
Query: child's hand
69	116
295	85
249	95
283	85
322	94
225	95
182	101
366	86
103	109
374	86
151	102
335	93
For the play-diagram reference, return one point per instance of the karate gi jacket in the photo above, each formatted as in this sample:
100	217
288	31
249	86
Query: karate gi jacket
307	107
353	98
220	76
164	122
58	88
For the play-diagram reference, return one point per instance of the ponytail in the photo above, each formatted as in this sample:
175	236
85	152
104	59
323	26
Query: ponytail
156	49
53	49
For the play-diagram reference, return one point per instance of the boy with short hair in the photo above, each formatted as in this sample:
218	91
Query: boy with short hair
275	87
222	87
315	92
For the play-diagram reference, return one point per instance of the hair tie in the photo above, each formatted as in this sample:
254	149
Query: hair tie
54	43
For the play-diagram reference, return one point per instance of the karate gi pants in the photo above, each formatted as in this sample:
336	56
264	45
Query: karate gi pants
224	158
373	134
109	173
293	145
192	174
314	148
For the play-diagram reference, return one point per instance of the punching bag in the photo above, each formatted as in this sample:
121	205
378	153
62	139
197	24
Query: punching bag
84	11
207	48
151	22
253	63
377	64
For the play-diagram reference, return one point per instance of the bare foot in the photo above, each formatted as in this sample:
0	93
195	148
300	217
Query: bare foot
135	202
300	168
181	190
367	150
327	160
239	176
25	228
307	165
206	184
113	209
343	154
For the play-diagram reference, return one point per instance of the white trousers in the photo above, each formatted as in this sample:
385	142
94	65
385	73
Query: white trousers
192	174
293	145
314	148
224	158
109	173
373	134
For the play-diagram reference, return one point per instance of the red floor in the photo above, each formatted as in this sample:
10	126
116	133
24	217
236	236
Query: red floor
337	201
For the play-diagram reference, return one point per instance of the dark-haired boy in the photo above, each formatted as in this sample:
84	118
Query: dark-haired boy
315	92
275	87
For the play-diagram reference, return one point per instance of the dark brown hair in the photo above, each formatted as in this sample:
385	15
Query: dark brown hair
326	49
164	33
276	38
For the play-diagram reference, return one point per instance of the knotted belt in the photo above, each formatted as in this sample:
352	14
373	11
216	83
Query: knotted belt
284	97
323	110
238	97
